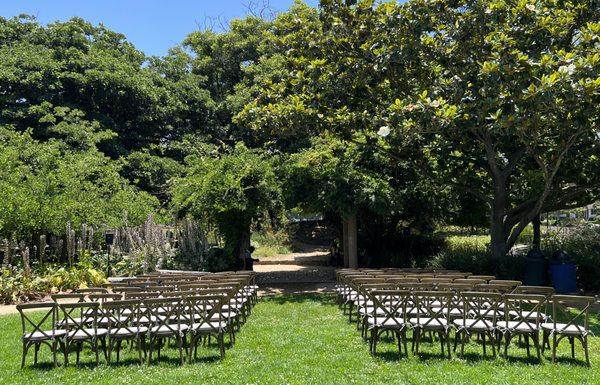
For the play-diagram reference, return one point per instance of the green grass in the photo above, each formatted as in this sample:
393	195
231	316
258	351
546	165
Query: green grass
269	243
305	340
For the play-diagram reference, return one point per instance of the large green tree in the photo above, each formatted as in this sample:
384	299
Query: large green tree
232	189
513	107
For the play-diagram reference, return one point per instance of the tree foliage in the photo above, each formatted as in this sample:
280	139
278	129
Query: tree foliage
232	189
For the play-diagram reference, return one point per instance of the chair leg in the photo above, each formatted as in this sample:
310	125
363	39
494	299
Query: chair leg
25	348
493	343
544	340
584	343
36	349
554	344
536	341
221	345
527	344
572	342
54	348
507	338
77	353
180	345
417	337
150	348
95	346
484	344
139	348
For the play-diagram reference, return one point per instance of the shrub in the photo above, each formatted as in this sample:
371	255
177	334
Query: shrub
16	286
583	244
400	250
478	260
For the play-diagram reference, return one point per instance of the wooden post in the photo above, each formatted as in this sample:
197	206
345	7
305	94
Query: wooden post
352	242
345	241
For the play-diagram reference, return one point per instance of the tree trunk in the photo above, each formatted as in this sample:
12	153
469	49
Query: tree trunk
351	239
498	234
537	236
345	241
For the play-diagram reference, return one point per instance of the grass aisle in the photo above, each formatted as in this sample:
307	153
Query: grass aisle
302	340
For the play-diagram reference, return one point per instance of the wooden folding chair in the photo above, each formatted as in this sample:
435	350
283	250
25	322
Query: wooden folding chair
574	311
165	319
37	331
388	314
124	324
206	320
480	314
81	326
520	319
432	314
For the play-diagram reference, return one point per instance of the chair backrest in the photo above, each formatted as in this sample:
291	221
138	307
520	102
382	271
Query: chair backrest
44	324
402	281
417	286
80	318
455	287
437	280
92	290
494	287
483	307
124	314
473	281
203	308
543	290
68	298
571	312
165	313
432	307
524	309
141	295
486	278
507	282
104	297
389	305
126	289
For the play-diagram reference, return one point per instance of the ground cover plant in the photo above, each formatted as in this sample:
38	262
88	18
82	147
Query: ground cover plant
305	340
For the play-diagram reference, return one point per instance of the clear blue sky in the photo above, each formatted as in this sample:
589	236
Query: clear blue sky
152	25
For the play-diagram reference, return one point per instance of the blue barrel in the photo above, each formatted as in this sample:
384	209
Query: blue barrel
564	277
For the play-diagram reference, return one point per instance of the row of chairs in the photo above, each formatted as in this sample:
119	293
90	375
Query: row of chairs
147	319
491	311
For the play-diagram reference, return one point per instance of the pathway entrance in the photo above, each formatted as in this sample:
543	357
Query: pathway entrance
305	271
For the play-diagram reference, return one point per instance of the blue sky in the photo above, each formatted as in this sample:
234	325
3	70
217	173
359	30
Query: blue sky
152	25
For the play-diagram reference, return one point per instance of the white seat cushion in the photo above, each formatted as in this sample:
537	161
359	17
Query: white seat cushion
564	329
131	331
205	327
43	336
429	323
521	327
472	324
168	330
87	333
382	322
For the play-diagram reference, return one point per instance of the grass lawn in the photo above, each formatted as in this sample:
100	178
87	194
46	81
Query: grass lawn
304	340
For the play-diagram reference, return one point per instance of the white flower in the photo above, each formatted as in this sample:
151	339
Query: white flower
530	7
435	104
488	11
383	131
569	69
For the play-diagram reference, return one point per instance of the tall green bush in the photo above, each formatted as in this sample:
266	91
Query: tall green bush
232	190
